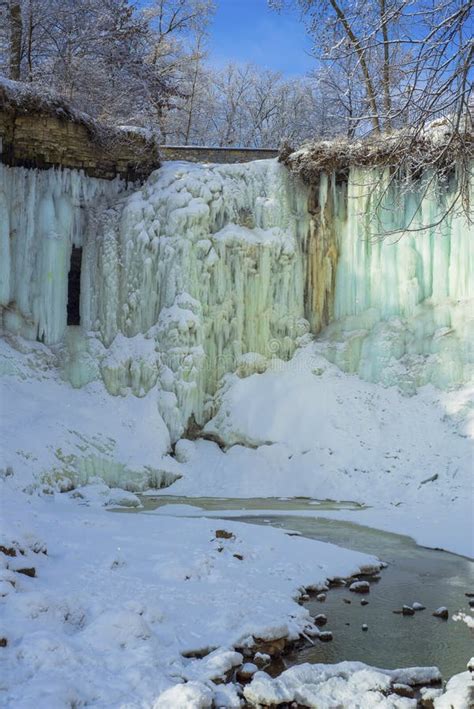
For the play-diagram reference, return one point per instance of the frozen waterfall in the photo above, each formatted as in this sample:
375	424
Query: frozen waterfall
209	269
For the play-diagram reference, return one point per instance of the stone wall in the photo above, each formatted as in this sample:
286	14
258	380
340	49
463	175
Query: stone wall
219	155
39	140
41	130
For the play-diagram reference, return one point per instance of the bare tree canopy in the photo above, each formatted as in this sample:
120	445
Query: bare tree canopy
380	66
413	58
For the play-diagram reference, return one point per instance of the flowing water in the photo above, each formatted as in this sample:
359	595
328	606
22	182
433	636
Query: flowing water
431	577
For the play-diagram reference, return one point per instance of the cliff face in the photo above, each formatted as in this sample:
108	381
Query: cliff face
212	269
43	132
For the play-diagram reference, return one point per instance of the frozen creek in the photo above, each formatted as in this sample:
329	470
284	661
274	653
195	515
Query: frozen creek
414	575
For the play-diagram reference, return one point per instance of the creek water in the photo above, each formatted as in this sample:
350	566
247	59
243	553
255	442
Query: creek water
414	574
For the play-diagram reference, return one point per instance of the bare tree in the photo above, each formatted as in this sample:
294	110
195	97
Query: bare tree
414	58
16	31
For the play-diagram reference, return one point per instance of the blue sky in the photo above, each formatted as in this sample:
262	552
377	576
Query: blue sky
248	31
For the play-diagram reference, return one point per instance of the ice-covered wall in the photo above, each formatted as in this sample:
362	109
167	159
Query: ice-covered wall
200	267
209	269
43	213
403	304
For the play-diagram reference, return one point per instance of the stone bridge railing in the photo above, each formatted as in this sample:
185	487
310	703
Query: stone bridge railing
220	155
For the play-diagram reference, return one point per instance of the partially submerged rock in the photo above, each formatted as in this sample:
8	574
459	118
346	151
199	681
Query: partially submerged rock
360	587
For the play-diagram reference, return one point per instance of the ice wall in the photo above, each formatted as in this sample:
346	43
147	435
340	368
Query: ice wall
43	213
196	270
403	302
209	269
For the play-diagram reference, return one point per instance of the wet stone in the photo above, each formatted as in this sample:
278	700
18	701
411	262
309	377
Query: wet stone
320	620
360	587
403	690
442	613
326	636
408	610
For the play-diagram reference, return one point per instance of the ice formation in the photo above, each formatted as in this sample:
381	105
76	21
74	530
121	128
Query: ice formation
402	302
200	267
43	214
209	269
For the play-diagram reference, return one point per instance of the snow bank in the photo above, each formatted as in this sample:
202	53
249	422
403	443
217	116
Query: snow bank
116	600
343	684
304	428
55	437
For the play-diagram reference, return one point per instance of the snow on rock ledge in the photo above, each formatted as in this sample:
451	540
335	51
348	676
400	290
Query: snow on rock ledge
345	684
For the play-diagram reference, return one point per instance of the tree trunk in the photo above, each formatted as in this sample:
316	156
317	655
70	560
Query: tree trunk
387	99
16	29
369	87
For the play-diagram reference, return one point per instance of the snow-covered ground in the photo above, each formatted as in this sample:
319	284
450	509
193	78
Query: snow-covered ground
118	598
304	428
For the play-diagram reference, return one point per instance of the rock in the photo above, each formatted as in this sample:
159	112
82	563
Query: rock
365	627
238	556
469	594
326	636
442	613
360	587
320	620
470	665
270	647
364	602
418	606
346	600
403	690
222	534
3	642
261	659
246	672
408	610
8	551
429	696
471	603
397	612
304	597
321	597
31	571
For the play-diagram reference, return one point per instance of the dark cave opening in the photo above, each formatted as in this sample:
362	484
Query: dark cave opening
74	287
